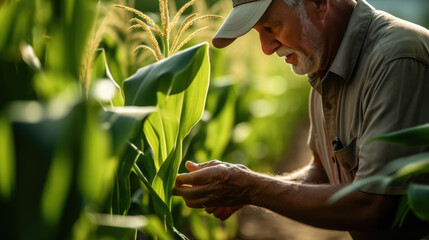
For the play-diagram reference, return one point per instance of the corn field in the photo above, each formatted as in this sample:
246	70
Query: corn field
100	103
102	100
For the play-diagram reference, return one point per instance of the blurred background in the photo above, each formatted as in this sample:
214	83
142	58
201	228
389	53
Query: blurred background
256	113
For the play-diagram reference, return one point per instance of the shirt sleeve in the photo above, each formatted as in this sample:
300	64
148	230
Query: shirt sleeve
395	98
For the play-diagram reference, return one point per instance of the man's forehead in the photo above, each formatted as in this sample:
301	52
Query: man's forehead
239	2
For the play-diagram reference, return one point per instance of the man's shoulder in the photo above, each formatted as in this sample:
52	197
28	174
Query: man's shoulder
394	38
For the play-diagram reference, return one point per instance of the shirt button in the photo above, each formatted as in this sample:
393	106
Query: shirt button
328	106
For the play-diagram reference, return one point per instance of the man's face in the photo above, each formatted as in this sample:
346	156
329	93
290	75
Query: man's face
290	33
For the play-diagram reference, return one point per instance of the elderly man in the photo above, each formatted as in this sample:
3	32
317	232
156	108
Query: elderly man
369	73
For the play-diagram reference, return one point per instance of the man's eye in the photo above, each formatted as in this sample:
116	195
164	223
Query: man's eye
268	29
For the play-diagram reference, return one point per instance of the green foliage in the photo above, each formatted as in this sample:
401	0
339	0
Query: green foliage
210	143
415	136
64	151
416	197
177	86
59	148
74	162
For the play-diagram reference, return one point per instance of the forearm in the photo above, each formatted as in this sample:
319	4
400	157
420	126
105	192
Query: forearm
216	184
311	173
307	203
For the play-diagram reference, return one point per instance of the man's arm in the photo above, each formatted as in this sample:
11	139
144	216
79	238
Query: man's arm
219	184
311	173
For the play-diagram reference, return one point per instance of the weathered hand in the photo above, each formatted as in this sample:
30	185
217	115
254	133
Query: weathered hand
214	185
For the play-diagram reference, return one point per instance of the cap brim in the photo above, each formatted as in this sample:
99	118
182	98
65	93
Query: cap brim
240	21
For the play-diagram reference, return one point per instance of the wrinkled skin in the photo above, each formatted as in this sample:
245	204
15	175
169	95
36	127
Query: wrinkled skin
216	186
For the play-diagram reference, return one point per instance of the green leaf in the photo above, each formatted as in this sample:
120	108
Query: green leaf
223	118
141	88
413	169
186	108
402	212
121	196
7	159
425	238
406	167
177	86
156	229
414	136
98	163
418	196
101	70
121	122
57	187
394	171
161	208
354	187
401	163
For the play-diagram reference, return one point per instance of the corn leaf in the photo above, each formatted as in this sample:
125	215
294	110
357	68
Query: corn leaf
402	212
418	196
7	159
177	86
192	107
354	187
161	208
223	118
121	122
414	136
397	170
413	169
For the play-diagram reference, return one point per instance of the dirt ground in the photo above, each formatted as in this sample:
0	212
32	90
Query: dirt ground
259	223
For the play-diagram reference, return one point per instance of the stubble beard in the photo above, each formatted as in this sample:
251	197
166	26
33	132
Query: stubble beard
307	62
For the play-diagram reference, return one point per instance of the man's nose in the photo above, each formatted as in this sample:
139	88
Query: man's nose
269	44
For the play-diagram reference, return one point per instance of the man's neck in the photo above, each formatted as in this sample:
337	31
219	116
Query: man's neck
336	25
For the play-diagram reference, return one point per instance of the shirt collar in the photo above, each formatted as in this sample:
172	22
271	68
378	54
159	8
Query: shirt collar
351	45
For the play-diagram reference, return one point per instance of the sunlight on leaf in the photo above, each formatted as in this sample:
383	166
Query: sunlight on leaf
104	90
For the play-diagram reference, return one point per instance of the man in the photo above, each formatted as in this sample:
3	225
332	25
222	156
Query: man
369	73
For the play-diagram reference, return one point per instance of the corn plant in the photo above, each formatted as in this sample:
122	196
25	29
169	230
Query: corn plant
152	29
177	85
67	154
410	168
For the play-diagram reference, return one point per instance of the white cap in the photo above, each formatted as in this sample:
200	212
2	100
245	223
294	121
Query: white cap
244	15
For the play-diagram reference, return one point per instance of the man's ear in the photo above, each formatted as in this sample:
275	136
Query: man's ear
320	7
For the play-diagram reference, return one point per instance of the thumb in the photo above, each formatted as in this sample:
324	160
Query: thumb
191	166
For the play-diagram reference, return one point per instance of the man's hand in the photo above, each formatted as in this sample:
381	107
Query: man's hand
221	188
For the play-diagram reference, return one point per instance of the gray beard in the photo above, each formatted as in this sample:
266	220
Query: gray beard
308	63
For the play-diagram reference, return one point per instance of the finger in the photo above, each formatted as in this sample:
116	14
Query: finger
210	210
191	166
194	192
200	177
192	179
226	212
196	203
221	213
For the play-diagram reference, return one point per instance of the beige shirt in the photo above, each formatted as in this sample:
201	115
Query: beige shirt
378	83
